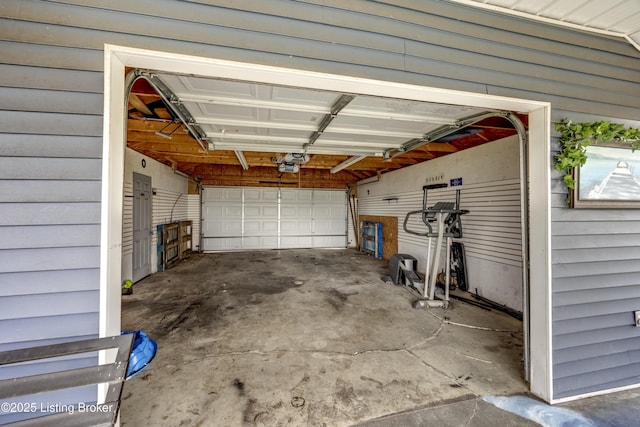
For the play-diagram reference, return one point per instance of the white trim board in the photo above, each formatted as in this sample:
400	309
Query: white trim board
117	57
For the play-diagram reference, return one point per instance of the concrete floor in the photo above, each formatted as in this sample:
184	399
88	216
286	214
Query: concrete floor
307	338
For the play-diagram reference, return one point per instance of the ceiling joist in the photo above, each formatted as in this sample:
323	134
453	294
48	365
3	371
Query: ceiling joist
336	107
230	133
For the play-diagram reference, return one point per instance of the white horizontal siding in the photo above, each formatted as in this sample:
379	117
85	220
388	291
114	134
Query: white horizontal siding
45	282
127	220
491	229
169	206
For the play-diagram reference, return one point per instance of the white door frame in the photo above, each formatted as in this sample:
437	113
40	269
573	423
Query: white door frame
116	58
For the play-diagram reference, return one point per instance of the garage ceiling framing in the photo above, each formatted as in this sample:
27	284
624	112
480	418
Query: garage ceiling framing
236	133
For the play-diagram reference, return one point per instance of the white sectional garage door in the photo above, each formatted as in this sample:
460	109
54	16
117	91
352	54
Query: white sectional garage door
246	218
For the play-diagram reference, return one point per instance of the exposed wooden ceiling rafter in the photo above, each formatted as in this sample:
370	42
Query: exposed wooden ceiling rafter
148	115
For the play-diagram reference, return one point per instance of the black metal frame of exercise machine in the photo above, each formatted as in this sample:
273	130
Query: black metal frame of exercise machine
445	218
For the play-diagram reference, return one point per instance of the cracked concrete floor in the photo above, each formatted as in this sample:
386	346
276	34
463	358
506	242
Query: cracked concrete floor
305	337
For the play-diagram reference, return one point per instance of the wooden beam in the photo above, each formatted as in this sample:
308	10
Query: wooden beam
163	113
149	125
440	146
139	105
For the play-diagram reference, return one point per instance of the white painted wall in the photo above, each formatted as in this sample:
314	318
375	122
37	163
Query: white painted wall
492	229
170	203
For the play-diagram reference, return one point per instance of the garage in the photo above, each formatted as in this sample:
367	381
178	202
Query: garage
274	165
280	166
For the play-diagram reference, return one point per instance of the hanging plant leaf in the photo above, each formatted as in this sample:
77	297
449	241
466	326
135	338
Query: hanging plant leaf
576	137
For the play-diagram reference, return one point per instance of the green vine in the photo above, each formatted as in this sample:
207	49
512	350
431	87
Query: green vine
576	137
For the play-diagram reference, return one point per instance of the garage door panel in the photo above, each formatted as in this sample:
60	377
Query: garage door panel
288	212
328	212
270	195
296	242
298	196
221	228
269	218
320	196
258	228
296	227
329	197
260	211
257	242
321	212
328	241
222	194
293	212
219	211
252	195
260	195
222	244
328	227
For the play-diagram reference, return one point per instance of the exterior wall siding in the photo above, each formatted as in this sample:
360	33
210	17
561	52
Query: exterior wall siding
49	217
596	289
51	83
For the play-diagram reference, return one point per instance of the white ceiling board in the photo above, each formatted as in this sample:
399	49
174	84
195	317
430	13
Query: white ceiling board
230	117
257	117
406	110
382	127
619	17
329	138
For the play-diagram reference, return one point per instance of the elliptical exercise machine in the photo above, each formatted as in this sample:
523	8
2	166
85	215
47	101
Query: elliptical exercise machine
443	222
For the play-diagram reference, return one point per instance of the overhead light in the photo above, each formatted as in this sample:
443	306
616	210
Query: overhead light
296	158
288	167
347	163
242	159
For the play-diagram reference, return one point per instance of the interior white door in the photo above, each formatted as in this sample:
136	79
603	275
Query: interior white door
141	226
